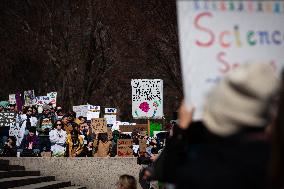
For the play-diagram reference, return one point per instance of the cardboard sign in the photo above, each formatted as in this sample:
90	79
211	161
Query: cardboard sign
147	98
99	125
45	154
124	147
131	128
12	98
215	37
29	97
7	119
53	98
142	146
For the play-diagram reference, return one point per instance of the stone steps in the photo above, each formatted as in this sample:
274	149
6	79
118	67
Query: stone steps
16	177
45	185
21	181
18	173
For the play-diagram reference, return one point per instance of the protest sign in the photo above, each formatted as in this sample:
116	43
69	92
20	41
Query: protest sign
142	146
29	97
19	101
41	100
110	110
99	125
53	98
147	98
131	128
81	110
124	147
93	112
217	36
7	119
12	98
110	119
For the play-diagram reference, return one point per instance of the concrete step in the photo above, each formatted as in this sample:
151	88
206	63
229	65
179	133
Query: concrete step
46	185
18	173
16	167
4	162
11	167
74	187
21	181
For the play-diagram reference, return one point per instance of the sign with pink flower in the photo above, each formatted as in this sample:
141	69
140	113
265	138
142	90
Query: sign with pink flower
147	98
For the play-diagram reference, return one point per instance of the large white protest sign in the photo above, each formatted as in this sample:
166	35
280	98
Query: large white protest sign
147	98
217	36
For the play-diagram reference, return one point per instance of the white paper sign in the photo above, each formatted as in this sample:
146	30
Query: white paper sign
53	97
91	115
110	119
12	98
110	110
217	36
81	110
41	100
147	98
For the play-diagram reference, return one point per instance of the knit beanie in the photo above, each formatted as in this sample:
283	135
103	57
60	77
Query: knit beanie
242	99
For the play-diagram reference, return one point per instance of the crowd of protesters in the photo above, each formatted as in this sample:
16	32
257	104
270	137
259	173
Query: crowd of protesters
64	135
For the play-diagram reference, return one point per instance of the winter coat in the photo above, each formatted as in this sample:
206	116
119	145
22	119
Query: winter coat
236	162
74	146
58	142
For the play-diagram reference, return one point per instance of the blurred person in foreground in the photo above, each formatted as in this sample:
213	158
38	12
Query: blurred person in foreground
277	154
229	148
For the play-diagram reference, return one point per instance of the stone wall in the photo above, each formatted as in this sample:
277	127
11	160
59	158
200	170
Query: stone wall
94	173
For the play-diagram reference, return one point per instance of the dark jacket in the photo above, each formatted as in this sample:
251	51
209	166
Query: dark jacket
27	139
235	162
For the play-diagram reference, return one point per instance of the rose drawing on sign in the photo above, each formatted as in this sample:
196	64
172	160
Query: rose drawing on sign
144	106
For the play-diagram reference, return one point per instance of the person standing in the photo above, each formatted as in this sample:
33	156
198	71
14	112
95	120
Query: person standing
25	121
44	125
229	148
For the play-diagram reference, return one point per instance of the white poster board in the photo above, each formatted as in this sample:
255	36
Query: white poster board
81	110
110	110
53	98
41	100
93	112
12	98
147	98
217	36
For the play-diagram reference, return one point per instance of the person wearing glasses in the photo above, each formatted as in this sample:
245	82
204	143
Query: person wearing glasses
57	138
26	121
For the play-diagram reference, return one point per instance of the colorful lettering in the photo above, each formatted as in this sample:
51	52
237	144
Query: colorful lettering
210	33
